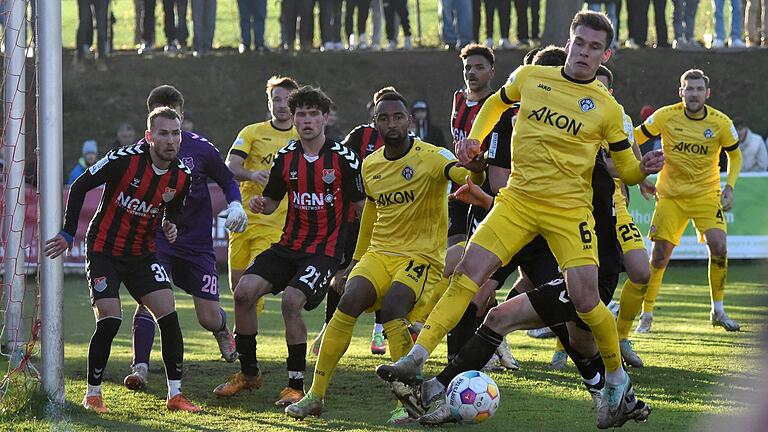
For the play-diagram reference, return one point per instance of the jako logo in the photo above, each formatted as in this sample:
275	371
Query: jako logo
691	148
135	206
553	118
396	198
310	199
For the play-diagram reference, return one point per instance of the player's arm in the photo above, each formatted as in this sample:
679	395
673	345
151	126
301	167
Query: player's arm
472	194
647	130
236	218
499	154
734	168
97	174
459	174
367	219
497	177
630	170
274	191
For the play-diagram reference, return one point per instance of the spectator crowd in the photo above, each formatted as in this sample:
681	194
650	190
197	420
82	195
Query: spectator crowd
343	24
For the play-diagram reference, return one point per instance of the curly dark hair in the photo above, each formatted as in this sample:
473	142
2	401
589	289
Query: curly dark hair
309	97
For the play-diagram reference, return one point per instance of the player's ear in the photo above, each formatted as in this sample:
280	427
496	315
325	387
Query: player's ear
147	136
607	55
709	92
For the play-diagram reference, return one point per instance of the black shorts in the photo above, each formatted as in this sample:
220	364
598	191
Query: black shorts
553	305
457	218
537	262
140	275
309	273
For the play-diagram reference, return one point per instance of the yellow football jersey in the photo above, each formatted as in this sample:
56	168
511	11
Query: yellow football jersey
411	201
257	144
691	149
560	127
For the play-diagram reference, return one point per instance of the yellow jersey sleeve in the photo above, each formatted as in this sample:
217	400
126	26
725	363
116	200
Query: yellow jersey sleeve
242	145
496	104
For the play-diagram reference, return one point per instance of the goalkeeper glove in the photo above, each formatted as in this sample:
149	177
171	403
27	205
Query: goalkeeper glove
237	220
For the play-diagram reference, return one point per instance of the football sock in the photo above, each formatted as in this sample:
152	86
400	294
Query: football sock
630	303
297	364
400	340
174	388
93	390
473	356
246	350
654	284
603	325
464	330
99	348
335	344
718	269
331	303
448	311
143	336
430	389
172	345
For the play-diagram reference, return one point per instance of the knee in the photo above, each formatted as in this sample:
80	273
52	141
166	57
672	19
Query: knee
659	260
246	292
641	276
495	320
718	249
293	301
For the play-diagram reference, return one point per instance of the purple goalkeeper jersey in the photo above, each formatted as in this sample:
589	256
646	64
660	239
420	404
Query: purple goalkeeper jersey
196	223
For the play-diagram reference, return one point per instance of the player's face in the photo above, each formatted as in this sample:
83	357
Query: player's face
586	50
309	122
278	104
392	120
694	94
164	138
478	73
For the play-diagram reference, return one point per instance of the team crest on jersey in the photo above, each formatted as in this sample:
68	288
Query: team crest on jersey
100	283
587	104
407	172
169	194
189	162
708	133
329	175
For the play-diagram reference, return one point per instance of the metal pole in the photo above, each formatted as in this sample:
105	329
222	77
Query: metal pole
14	146
49	183
418	23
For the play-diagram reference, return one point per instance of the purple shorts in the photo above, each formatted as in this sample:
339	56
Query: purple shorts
195	274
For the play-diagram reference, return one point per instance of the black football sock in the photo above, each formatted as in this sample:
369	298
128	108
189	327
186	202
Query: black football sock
99	348
297	365
512	293
582	362
246	349
463	331
331	303
173	345
473	356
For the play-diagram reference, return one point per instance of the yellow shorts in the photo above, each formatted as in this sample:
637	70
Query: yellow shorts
513	222
627	232
383	270
672	214
245	246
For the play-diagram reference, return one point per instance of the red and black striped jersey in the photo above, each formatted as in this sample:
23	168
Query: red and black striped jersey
498	143
137	196
320	193
364	140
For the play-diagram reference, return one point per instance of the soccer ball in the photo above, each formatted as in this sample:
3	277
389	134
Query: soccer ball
473	397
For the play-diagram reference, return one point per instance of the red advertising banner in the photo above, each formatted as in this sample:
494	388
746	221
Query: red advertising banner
77	256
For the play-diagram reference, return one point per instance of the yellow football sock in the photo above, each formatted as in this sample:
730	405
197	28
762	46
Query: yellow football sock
422	310
338	333
398	337
600	320
718	269
654	285
630	303
448	311
558	345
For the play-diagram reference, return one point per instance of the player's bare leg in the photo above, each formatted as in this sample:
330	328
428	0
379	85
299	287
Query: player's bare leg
108	314
718	269
212	317
248	291
661	252
296	338
359	295
162	305
476	266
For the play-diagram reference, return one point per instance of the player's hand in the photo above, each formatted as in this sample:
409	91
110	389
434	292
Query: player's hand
652	162
257	204
478	164
466	150
472	194
726	198
340	279
260	176
169	229
648	190
237	220
56	246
